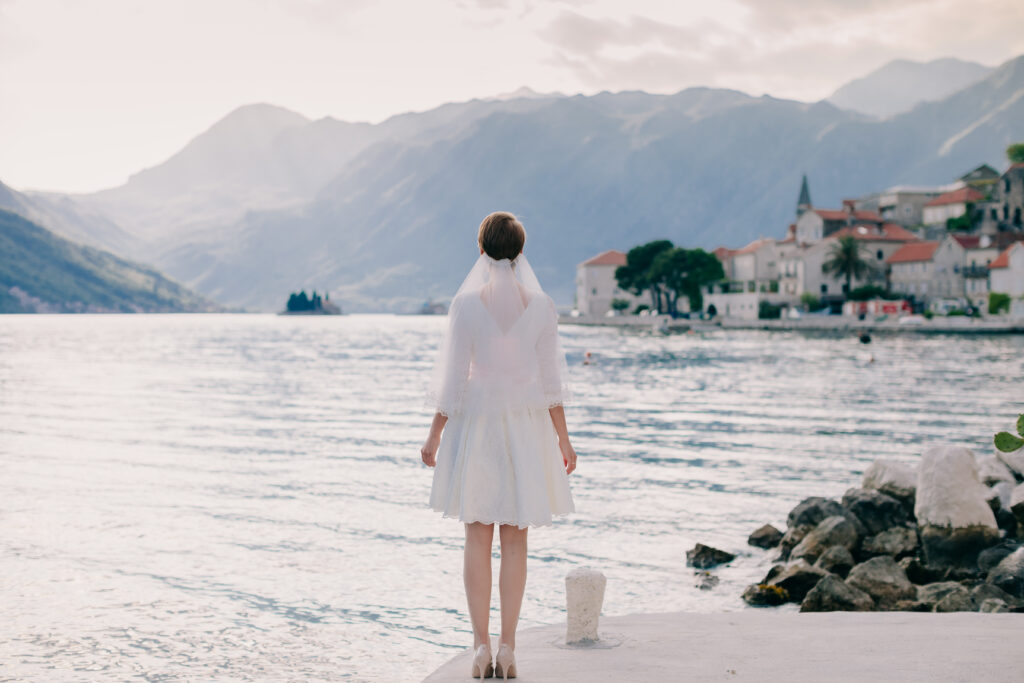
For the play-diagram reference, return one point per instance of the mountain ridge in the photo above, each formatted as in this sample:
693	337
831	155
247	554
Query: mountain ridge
901	84
380	207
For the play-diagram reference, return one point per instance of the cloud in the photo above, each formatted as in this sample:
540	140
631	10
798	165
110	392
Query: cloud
790	48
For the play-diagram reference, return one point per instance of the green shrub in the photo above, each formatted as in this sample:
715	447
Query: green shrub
640	309
868	292
619	305
998	303
768	311
811	302
955	312
928	315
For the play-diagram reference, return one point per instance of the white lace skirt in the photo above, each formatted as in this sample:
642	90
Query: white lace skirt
501	468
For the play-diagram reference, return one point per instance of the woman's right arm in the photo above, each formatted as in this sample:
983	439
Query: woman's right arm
568	454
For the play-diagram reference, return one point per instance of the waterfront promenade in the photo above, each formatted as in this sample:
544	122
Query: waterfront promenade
754	645
810	323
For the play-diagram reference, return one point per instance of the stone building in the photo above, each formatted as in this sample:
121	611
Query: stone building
910	269
949	205
903	204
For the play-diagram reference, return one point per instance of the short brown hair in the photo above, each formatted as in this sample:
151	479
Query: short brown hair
501	235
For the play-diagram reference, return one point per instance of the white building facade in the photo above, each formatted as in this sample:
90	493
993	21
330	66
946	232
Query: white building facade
596	286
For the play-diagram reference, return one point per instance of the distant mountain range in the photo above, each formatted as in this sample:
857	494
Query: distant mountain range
43	273
902	84
384	216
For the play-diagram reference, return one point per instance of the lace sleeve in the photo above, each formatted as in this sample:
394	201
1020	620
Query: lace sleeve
554	372
451	370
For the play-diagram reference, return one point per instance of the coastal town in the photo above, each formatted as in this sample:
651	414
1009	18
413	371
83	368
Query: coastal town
923	251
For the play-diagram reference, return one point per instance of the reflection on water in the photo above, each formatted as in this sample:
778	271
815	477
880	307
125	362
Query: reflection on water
241	496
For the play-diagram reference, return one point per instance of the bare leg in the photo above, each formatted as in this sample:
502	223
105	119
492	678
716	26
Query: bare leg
512	580
476	574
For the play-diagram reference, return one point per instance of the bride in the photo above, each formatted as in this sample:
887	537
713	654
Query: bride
498	438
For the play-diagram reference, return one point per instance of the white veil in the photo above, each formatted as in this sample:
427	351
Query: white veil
530	361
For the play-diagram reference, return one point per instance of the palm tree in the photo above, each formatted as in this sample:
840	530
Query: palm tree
846	260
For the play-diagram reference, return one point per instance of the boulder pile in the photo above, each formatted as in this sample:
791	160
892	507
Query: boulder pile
947	536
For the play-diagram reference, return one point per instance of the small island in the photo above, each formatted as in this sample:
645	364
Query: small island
302	304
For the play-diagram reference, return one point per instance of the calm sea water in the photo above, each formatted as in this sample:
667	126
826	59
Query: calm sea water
241	497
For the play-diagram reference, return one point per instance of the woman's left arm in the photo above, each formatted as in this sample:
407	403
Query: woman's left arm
429	450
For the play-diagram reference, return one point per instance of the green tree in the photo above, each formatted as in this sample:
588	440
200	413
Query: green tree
634	277
846	259
685	272
1015	153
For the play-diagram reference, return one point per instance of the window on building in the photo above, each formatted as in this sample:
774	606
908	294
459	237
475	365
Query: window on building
593	290
995	214
1006	212
1016	216
880	255
1006	184
824	288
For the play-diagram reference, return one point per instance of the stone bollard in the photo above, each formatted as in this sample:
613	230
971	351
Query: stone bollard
584	593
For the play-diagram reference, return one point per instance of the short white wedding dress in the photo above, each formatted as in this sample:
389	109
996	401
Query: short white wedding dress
500	368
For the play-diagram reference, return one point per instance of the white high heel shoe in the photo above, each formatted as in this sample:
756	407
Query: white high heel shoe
482	667
505	663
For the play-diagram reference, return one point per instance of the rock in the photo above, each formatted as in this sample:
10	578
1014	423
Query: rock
919	573
877	511
775	570
958	600
810	511
965	575
798	578
837	560
1015	461
1000	494
986	591
893	479
1007	522
930	593
899	541
704	556
1009	574
765	537
882	579
960	547
993	605
706	581
992	470
990	557
792	538
584	593
954	519
911	606
1016	505
832	594
765	595
831	531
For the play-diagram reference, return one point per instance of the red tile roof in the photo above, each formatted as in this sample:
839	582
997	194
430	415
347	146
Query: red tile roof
840	215
964	194
1003	260
889	232
723	253
753	246
968	241
607	258
914	251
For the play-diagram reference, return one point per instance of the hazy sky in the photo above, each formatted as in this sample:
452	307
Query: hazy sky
93	90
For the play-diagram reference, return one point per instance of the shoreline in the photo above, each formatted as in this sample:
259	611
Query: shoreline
834	324
756	645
